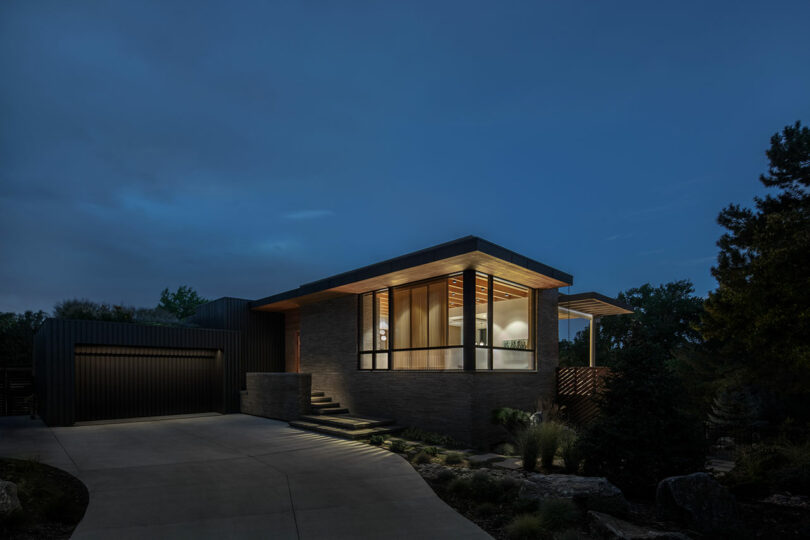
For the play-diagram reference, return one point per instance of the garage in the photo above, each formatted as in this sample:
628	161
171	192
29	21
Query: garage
127	382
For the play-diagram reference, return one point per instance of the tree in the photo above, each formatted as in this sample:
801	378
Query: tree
182	303
759	315
663	319
643	433
17	337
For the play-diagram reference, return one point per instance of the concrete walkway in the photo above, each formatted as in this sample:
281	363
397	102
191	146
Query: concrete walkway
235	476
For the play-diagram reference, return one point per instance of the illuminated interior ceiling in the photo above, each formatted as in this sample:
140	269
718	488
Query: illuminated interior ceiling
590	304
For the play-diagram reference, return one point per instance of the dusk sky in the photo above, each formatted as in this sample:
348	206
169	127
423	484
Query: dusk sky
245	148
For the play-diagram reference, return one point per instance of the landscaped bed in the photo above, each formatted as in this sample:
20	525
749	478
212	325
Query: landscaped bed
53	501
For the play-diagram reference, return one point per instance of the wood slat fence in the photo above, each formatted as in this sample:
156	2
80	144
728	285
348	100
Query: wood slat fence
577	390
16	390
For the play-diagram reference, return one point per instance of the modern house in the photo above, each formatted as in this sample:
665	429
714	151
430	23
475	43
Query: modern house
435	339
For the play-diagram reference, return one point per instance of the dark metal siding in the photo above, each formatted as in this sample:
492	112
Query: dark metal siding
262	332
127	382
55	365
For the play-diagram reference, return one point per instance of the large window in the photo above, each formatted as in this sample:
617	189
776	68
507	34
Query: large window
419	326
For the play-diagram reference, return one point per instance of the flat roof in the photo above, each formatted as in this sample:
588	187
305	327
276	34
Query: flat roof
592	303
465	253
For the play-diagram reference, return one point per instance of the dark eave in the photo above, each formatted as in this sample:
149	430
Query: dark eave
468	251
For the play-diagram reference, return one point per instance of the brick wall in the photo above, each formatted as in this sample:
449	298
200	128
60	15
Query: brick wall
459	404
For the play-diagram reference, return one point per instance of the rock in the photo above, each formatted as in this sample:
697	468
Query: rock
513	464
699	503
612	528
594	493
9	502
480	459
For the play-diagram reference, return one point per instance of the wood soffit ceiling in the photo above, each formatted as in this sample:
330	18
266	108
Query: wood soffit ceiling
476	260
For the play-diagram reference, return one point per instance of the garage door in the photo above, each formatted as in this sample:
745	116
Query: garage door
128	382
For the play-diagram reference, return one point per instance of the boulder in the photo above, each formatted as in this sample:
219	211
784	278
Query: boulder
699	503
592	492
613	528
9	502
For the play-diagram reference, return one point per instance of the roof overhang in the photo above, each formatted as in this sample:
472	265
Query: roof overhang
590	304
466	253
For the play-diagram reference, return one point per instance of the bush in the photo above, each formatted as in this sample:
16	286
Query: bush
528	443
376	440
398	446
505	449
431	450
427	437
514	420
486	509
558	514
445	475
460	487
453	458
765	468
421	458
550	434
570	452
525	527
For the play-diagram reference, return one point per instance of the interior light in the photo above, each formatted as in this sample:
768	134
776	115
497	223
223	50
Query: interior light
507	295
454	281
383	338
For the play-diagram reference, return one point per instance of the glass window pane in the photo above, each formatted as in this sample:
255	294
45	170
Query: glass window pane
365	361
402	318
367	320
510	314
428	360
382	361
481	295
455	309
419	317
382	320
512	359
482	358
437	314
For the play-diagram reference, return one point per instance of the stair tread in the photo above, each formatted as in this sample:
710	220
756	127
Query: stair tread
326	405
320	399
344	433
347	421
330	412
316	394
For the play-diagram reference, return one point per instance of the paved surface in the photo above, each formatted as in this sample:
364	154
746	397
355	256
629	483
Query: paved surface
235	476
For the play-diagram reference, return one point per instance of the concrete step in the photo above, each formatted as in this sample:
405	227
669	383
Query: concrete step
345	433
317	394
347	421
325	405
337	410
320	399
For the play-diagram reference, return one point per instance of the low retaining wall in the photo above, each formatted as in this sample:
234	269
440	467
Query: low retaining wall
282	396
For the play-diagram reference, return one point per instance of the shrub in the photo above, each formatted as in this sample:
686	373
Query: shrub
781	466
431	450
525	527
376	440
398	446
427	437
460	487
558	514
505	449
421	458
528	442
571	534
526	506
571	455
514	420
486	509
445	475
453	458
550	434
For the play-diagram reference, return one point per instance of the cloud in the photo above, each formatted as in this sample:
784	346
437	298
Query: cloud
308	214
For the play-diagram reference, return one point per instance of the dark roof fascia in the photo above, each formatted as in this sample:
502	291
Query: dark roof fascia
593	296
468	244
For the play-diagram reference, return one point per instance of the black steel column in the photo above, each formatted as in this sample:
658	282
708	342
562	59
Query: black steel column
468	339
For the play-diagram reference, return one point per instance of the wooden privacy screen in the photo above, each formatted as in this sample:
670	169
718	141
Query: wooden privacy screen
127	382
577	390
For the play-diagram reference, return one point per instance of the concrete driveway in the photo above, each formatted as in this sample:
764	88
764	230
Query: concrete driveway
235	476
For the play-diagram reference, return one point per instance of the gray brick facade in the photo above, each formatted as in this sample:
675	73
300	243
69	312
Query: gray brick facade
459	404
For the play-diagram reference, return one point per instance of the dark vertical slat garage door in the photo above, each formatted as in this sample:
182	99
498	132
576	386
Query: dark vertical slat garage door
128	382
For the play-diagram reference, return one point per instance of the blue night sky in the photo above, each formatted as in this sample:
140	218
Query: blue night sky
246	148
